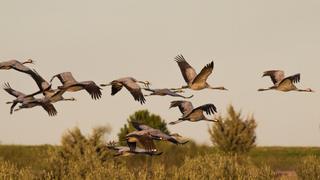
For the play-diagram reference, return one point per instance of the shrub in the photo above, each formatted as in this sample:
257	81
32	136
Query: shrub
233	134
309	168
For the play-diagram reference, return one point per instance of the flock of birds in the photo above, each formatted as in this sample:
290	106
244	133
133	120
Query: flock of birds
144	135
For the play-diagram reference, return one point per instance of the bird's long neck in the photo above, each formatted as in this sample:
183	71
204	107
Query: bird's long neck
104	85
26	62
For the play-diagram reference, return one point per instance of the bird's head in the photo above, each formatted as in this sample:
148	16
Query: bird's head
147	84
309	90
29	61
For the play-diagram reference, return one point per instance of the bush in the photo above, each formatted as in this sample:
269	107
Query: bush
11	171
233	134
309	168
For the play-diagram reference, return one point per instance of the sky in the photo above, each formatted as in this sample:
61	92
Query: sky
104	40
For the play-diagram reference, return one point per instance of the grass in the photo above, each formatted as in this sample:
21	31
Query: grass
278	158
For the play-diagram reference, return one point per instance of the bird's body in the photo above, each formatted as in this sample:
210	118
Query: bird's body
195	81
53	95
16	65
166	92
193	114
69	84
282	83
28	101
157	134
131	84
126	151
43	102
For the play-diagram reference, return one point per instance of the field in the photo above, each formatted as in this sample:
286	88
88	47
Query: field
279	159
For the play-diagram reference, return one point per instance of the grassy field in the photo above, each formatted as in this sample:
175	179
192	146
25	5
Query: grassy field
278	158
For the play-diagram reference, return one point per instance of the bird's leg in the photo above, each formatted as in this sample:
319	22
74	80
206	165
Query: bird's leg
104	85
70	99
219	88
12	107
179	89
264	89
145	83
9	102
212	120
176	122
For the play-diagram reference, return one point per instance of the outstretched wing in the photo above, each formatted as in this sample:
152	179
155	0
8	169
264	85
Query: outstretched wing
46	105
288	82
187	71
208	108
93	89
139	126
204	74
11	91
276	75
184	106
135	90
42	83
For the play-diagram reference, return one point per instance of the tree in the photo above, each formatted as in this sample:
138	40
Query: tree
143	117
234	134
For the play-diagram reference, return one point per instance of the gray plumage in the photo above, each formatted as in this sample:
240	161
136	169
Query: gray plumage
165	92
71	85
282	83
126	151
193	114
156	134
131	84
195	81
17	65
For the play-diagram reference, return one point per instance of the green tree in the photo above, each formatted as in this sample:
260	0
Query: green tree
143	117
233	133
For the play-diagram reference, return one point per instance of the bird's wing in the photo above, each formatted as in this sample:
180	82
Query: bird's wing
184	106
42	83
11	91
46	105
147	143
132	143
65	78
20	67
276	75
290	80
208	108
135	91
187	71
139	126
92	88
204	74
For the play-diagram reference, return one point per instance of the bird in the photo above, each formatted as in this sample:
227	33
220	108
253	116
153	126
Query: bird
28	101
142	137
195	81
17	65
126	151
20	97
193	114
69	84
157	134
43	102
166	92
53	95
131	85
282	83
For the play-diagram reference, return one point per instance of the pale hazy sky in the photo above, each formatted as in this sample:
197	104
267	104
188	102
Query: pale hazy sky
104	40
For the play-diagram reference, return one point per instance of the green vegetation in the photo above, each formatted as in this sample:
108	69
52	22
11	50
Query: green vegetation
233	134
87	157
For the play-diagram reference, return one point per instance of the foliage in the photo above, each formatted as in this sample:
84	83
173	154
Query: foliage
309	169
233	134
143	117
9	170
79	154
